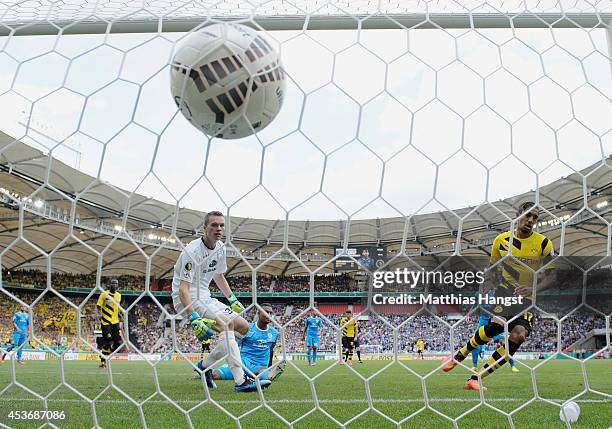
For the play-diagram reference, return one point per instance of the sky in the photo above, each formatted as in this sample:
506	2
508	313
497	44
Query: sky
380	121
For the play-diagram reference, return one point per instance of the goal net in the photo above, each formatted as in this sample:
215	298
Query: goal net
412	135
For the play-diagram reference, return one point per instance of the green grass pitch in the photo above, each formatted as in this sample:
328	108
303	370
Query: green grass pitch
341	393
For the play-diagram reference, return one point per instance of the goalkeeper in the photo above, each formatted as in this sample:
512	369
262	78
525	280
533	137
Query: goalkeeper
256	349
201	262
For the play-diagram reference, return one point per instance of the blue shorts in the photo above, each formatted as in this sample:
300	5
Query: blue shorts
19	339
499	337
312	341
483	322
226	374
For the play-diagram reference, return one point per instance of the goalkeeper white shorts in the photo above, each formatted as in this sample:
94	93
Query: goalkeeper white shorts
208	308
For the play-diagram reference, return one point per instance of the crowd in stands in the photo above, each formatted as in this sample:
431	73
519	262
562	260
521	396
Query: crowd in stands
322	283
62	281
55	320
378	331
151	333
602	279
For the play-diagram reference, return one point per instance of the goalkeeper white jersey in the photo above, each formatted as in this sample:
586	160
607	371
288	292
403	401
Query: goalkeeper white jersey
197	265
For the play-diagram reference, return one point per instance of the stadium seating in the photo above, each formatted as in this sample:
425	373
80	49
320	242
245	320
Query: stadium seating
55	320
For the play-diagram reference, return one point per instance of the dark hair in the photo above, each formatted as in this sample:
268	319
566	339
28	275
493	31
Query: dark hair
348	311
211	214
114	282
262	309
528	205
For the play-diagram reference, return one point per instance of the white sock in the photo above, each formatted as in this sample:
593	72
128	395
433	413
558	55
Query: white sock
217	353
233	356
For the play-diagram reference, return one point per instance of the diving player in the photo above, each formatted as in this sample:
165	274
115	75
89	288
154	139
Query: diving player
532	249
479	352
311	336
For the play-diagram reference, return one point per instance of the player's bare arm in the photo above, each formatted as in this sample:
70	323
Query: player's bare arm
223	285
271	357
184	295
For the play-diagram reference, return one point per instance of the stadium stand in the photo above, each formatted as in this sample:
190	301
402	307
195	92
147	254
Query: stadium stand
149	330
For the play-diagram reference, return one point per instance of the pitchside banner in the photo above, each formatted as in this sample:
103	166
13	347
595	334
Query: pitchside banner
363	258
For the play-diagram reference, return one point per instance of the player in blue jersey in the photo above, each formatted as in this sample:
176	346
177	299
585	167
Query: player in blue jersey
21	320
256	350
311	336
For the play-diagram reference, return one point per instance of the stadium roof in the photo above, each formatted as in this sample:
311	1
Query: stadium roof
129	228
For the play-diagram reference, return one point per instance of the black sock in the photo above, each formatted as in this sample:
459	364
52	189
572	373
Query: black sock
496	360
481	337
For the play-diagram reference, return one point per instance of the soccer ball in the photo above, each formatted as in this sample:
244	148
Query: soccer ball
227	80
569	412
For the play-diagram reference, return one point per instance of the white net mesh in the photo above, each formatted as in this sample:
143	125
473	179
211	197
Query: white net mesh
412	130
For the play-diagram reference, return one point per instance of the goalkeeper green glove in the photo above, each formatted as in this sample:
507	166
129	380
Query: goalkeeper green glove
235	304
202	328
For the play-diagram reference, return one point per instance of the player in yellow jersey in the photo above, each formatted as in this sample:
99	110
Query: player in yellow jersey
205	348
531	251
108	310
350	329
420	346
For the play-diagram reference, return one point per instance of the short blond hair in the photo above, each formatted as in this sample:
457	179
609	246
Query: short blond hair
211	214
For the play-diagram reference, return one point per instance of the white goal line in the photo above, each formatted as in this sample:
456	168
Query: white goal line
307	401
